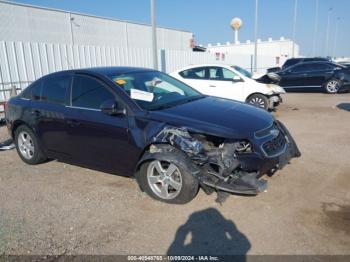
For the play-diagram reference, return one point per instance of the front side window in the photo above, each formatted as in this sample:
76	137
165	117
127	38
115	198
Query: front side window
219	73
89	93
55	89
153	90
299	68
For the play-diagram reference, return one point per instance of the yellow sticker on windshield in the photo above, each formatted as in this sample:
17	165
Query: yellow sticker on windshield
120	81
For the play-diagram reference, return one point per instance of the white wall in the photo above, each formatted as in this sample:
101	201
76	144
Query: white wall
33	24
272	48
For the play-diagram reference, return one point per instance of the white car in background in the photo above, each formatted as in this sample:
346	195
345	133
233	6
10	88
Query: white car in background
230	82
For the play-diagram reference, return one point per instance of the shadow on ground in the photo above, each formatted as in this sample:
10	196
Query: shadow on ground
207	232
344	106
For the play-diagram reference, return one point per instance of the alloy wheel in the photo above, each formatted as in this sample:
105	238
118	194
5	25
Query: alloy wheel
257	101
333	86
25	145
164	179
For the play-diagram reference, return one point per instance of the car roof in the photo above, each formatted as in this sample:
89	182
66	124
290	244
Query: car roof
108	70
202	65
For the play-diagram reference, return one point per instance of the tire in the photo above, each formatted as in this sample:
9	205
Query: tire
332	86
259	100
28	147
154	181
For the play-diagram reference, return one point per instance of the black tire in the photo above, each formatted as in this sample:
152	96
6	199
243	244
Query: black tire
259	101
189	188
332	86
36	156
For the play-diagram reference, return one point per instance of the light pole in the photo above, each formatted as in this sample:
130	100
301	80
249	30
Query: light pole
154	35
256	36
294	25
328	27
316	29
336	36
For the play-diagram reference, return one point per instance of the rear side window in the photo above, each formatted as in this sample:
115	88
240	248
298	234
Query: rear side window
55	89
89	93
194	73
33	91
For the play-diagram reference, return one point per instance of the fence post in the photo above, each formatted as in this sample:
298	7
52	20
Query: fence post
162	61
251	63
13	91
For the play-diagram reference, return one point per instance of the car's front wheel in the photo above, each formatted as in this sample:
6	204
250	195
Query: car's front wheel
259	100
168	181
27	146
332	86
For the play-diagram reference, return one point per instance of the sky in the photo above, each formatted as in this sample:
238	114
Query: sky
209	20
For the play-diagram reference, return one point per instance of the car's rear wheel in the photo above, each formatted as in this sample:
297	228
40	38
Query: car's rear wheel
332	86
27	146
168	182
259	100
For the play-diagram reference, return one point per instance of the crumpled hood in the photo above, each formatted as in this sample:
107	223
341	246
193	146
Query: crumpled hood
216	116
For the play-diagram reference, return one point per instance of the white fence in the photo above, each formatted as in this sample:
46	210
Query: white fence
21	63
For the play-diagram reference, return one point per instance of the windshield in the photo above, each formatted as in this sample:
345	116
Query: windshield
153	90
242	71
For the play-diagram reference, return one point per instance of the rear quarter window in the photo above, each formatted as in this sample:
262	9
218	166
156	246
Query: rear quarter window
33	92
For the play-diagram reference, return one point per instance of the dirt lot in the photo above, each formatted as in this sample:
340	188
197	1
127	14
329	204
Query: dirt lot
56	208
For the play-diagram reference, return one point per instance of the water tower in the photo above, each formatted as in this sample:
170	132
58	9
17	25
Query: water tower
236	24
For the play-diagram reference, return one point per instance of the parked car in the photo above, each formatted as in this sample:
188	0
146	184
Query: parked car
293	61
230	82
315	76
145	124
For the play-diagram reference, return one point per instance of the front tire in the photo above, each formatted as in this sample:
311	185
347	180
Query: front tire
259	100
168	181
332	86
28	147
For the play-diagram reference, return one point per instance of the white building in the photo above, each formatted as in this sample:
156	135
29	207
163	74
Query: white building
280	50
25	23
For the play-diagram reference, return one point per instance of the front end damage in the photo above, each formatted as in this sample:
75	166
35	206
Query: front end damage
228	165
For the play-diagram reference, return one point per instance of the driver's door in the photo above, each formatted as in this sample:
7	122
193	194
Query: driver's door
225	83
97	140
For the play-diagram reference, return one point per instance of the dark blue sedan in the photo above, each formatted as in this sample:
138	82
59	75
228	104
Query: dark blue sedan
145	124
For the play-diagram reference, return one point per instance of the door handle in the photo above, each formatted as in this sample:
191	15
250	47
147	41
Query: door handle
212	86
73	123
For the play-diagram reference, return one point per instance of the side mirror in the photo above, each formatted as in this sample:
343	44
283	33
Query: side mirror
236	79
110	107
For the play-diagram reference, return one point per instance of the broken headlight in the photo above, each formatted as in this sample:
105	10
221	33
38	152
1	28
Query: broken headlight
244	147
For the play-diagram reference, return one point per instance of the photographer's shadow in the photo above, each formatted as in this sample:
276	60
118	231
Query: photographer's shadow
207	232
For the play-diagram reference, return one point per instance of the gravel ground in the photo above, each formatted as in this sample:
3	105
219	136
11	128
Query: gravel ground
56	208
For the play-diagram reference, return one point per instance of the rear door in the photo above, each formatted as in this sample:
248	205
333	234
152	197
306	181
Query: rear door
97	140
197	78
319	74
48	110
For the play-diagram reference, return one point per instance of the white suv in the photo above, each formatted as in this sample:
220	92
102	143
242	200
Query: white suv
231	82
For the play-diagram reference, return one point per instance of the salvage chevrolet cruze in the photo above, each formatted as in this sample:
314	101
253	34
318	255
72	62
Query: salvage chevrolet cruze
143	123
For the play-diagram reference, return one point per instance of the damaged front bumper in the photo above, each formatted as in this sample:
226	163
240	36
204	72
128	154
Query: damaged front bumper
228	165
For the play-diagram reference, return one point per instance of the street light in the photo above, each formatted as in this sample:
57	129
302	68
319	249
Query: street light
327	33
154	35
336	36
256	36
316	29
294	25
